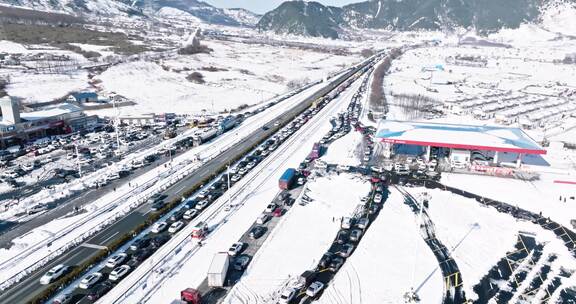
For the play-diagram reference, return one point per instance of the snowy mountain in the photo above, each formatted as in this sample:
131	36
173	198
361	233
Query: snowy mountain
76	7
303	18
181	8
315	19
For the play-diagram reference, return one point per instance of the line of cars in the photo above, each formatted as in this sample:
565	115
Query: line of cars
144	246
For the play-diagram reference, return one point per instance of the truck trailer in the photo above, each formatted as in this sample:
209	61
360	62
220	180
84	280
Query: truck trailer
287	179
205	136
218	269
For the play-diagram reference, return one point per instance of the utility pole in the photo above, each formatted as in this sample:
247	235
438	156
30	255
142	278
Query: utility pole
116	124
78	161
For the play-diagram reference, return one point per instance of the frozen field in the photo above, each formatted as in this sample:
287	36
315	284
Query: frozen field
234	73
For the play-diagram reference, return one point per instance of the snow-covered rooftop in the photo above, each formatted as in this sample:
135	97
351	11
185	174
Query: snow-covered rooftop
491	138
50	111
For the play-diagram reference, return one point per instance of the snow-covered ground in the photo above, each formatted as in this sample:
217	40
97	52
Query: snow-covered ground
301	238
193	271
118	200
478	237
234	73
537	196
390	259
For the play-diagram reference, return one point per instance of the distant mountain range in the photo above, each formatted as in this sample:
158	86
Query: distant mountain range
315	19
196	9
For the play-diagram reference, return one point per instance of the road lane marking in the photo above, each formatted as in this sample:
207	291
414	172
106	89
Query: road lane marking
94	246
108	238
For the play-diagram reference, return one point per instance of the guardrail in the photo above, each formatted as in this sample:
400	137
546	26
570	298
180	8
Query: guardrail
175	245
103	224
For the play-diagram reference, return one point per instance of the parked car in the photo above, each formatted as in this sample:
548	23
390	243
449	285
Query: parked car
63	299
278	212
287	295
176	216
138	257
346	250
158	227
363	223
140	244
263	218
241	262
54	274
342	237
271	207
190	214
378	198
175	227
355	235
335	264
99	290
158	241
314	289
257	232
116	260
326	259
202	204
118	273
235	248
346	223
90	280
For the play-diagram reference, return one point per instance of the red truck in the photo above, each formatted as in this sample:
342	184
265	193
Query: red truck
191	296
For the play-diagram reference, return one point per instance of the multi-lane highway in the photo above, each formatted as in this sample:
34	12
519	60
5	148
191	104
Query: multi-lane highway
30	287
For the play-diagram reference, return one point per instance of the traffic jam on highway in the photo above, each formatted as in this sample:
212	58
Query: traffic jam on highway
91	284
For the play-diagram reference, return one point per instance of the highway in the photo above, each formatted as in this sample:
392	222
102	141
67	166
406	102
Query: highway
30	287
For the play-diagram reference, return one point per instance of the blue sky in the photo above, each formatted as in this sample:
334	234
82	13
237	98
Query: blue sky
262	6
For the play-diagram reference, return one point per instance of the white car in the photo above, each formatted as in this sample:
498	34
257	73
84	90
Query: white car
346	223
175	227
301	181
204	193
159	227
287	295
271	207
90	280
235	248
251	165
28	167
314	289
53	274
378	198
201	205
119	272
116	260
262	219
190	214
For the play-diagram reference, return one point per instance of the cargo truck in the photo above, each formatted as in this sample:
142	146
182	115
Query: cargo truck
287	179
204	136
218	269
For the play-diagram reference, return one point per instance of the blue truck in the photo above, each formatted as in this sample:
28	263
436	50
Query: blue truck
287	179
